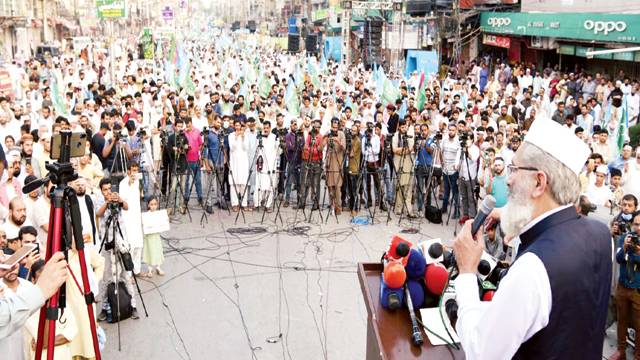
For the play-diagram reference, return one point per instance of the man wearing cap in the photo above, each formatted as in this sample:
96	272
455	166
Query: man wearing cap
598	192
552	304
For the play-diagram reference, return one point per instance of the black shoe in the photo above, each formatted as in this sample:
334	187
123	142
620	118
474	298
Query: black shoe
102	316
200	202
134	314
383	207
315	207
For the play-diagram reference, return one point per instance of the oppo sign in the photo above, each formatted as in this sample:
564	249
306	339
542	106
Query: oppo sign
498	22
604	26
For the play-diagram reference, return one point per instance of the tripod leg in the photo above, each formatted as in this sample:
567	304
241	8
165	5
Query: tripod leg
76	224
135	279
52	237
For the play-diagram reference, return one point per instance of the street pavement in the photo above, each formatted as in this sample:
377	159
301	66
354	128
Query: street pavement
280	289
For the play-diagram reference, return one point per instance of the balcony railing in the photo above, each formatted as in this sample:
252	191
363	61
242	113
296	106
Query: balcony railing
13	8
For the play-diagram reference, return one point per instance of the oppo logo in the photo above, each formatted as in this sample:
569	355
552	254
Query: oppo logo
497	22
605	26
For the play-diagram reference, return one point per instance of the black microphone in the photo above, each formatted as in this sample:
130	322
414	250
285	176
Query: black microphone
486	207
34	185
416	335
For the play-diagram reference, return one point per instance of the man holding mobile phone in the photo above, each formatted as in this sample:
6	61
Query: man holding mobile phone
15	310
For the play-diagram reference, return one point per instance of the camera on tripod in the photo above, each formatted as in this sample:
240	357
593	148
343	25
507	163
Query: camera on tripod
142	132
464	137
438	136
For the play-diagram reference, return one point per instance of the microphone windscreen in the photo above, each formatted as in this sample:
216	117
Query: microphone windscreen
416	291
391	299
435	250
449	259
415	265
398	248
484	268
394	275
487	205
488	295
435	278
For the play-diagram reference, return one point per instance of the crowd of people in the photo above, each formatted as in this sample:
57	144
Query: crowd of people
252	128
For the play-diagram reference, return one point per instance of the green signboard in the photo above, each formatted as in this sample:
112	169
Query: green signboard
111	9
622	28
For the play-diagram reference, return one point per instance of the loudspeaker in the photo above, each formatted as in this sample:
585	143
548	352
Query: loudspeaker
294	43
311	43
419	7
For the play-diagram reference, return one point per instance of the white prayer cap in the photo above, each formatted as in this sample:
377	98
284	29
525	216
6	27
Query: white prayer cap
602	169
559	142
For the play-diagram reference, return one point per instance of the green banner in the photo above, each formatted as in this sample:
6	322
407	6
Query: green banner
111	9
586	26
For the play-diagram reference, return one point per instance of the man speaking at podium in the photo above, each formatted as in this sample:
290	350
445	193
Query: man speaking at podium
552	304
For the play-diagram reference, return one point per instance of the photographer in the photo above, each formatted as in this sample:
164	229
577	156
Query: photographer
312	166
194	141
109	205
622	222
355	159
402	147
294	142
371	153
112	146
450	166
335	143
216	158
627	292
468	176
424	161
176	152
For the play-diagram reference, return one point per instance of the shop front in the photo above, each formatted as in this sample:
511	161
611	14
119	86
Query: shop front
562	37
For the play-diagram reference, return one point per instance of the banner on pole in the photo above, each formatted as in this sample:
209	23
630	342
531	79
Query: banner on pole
111	9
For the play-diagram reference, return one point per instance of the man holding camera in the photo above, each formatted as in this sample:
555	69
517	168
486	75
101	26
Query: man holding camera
194	141
627	292
371	156
176	152
468	176
335	142
293	143
312	166
424	161
402	147
111	205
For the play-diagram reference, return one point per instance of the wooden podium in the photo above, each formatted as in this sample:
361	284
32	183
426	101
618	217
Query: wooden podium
389	333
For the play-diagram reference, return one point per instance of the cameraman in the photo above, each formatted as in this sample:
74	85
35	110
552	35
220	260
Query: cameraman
424	161
622	222
335	142
627	292
111	203
216	157
112	146
371	157
468	176
176	152
402	147
312	166
294	141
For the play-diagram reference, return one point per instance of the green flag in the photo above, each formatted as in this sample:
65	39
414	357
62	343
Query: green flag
264	86
390	92
422	98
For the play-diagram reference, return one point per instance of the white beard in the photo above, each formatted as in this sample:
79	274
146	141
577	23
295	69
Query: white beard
518	211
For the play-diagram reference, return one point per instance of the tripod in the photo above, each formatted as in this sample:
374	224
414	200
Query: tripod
217	173
113	224
403	139
430	184
65	226
177	192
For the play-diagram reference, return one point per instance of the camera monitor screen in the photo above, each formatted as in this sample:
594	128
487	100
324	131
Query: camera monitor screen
78	145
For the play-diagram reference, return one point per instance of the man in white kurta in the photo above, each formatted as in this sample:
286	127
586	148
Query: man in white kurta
238	165
266	175
129	190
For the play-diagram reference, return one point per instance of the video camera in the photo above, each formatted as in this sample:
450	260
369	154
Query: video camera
437	136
